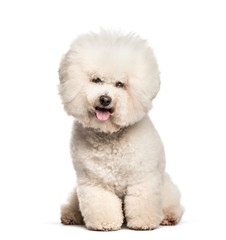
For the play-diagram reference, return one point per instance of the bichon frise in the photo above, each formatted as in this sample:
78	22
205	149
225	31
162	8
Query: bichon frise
107	83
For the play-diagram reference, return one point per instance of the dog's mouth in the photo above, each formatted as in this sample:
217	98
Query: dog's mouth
103	113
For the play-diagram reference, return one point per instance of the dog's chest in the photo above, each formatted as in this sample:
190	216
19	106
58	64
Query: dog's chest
109	160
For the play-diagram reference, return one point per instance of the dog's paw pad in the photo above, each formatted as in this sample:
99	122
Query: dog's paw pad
172	215
71	218
67	221
169	221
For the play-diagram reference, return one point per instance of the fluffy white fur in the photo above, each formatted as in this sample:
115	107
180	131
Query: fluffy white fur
120	162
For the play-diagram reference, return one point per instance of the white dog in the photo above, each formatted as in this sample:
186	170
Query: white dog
107	83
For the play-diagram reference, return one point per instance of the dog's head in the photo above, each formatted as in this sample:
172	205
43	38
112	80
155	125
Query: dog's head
108	80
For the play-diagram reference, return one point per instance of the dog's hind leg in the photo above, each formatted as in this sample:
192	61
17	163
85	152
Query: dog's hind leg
172	210
70	212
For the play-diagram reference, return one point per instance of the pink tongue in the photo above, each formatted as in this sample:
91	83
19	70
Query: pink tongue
102	115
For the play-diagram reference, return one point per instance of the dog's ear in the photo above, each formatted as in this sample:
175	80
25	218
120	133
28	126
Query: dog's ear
62	67
64	64
155	86
148	75
67	87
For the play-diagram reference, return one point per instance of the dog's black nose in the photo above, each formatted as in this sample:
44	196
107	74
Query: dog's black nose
105	100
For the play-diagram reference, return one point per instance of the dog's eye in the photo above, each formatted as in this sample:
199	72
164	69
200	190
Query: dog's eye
119	85
97	80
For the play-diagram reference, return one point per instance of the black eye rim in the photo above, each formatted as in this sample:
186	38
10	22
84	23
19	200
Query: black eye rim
119	85
97	80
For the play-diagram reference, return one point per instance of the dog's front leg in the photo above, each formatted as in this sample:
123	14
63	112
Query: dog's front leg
143	204
101	208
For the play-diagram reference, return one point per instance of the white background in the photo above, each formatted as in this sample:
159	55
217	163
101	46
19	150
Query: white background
36	173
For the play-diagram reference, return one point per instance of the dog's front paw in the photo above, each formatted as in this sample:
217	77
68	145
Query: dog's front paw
109	222
142	223
105	226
